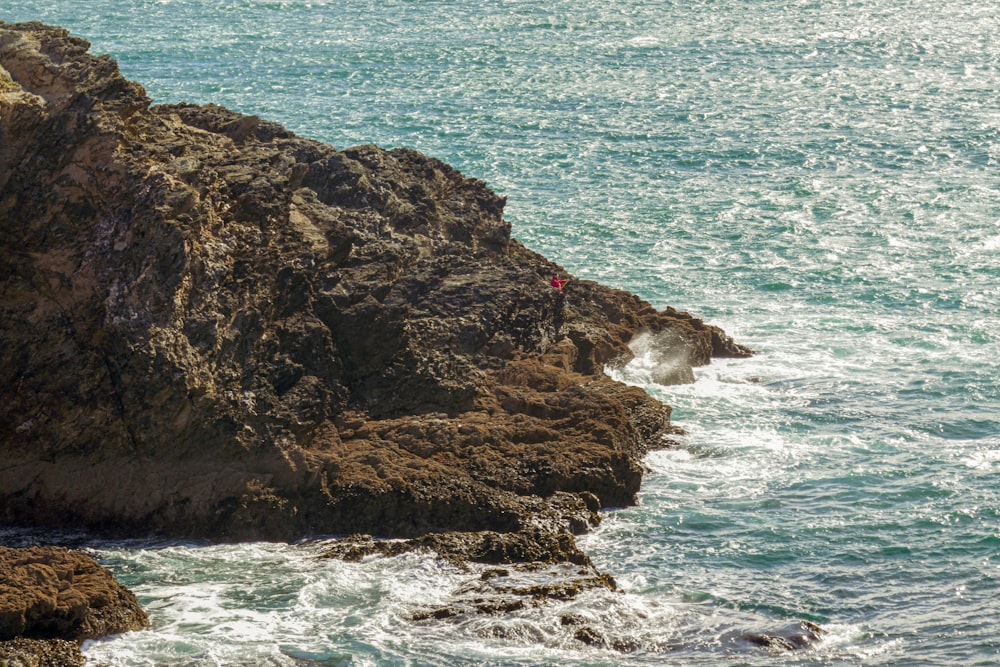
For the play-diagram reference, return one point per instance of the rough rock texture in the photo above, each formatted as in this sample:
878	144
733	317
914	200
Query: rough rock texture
520	571
538	566
527	546
23	652
212	327
51	599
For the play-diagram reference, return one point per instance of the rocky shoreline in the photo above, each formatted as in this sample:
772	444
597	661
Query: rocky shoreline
213	328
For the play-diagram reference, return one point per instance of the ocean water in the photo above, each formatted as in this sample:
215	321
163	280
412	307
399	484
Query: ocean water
818	178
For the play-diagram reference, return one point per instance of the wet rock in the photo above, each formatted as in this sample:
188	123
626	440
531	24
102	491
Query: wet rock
540	568
593	637
491	607
530	546
212	327
793	637
524	586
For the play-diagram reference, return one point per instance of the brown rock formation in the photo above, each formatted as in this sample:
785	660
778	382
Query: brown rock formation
51	597
210	326
54	592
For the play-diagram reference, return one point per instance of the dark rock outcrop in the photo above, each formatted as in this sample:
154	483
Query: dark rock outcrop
52	598
538	566
212	327
792	637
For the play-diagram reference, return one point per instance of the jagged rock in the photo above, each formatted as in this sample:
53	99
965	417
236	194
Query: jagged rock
212	327
593	637
528	546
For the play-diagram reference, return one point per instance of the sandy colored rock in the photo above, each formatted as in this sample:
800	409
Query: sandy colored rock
51	592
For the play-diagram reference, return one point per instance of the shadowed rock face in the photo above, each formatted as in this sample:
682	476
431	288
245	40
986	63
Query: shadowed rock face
212	327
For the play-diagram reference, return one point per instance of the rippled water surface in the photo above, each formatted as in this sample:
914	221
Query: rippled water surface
819	178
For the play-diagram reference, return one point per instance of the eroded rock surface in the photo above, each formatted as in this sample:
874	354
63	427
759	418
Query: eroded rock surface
52	598
50	592
212	327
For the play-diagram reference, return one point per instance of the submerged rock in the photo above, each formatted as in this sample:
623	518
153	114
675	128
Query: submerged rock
792	637
212	327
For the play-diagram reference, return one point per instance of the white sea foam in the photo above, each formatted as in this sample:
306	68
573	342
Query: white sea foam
987	460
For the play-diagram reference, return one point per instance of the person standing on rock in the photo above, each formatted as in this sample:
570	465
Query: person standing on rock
559	283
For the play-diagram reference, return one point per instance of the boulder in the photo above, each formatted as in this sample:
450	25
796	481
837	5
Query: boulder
51	599
52	592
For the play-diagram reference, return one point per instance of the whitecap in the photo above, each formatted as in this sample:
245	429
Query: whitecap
984	460
644	41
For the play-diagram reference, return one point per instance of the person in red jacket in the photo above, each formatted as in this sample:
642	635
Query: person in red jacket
558	282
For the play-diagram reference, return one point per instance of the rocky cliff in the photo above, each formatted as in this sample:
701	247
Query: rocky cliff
212	327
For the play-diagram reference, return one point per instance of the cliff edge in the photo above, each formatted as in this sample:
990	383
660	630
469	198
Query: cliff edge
212	327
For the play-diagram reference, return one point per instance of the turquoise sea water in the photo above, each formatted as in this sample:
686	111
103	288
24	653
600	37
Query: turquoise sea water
818	178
